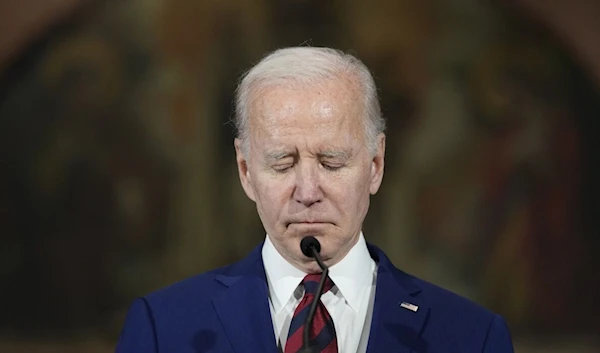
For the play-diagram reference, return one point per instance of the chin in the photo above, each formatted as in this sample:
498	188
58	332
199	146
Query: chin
325	233
311	267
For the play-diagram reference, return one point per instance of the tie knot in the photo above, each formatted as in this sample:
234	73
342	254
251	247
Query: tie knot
311	283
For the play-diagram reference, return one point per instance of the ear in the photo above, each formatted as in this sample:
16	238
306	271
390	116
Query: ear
243	171
377	165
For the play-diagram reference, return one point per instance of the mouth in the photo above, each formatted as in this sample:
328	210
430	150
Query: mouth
307	223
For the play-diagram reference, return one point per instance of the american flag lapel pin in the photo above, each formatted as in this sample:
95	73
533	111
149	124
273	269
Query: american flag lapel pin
409	306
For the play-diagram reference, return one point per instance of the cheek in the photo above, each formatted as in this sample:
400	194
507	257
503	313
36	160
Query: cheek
273	194
349	192
357	197
357	184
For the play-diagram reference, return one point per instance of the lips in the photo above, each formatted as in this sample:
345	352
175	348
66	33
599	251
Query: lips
308	223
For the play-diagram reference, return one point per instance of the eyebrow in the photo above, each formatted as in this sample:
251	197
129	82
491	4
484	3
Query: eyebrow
343	155
277	155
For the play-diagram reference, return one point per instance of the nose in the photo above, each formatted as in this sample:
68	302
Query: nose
307	189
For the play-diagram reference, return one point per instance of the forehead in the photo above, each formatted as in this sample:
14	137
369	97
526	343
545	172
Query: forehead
334	104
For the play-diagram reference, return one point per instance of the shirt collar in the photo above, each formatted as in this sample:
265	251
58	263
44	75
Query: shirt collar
283	277
351	275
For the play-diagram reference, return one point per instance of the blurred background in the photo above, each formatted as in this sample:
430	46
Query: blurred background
118	172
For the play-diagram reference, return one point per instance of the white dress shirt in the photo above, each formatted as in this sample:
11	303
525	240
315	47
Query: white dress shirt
349	302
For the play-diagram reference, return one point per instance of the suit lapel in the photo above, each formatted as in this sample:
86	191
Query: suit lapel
243	308
398	315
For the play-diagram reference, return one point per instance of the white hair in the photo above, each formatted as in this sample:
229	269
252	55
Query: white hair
306	66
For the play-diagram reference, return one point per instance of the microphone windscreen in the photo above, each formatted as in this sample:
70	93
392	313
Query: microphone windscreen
309	242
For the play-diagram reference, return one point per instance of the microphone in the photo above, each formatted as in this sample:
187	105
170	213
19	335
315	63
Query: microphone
311	247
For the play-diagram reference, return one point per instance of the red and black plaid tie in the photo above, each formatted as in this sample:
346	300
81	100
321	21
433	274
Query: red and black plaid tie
322	332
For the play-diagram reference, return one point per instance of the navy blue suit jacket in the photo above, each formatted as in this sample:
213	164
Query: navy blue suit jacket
227	311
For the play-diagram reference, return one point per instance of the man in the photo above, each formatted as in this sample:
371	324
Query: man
310	152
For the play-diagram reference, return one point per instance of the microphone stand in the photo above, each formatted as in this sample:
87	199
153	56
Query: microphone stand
313	307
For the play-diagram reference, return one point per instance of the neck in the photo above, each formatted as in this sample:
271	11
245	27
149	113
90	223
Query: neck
310	265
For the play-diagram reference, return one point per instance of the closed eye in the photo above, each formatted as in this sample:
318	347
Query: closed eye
282	168
331	167
333	160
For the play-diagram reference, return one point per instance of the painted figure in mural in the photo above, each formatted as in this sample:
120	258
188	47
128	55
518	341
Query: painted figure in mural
310	153
530	184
